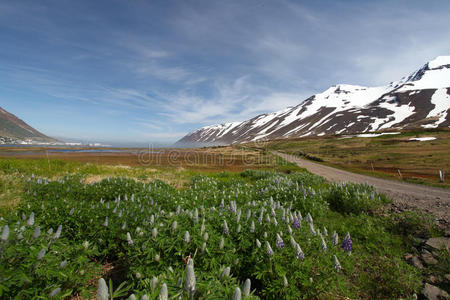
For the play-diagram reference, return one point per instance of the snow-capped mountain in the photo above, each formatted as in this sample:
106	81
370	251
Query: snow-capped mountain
419	100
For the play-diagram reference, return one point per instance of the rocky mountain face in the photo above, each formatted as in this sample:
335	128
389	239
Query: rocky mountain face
14	130
421	100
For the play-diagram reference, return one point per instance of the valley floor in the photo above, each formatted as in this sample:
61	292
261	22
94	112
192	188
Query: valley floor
425	198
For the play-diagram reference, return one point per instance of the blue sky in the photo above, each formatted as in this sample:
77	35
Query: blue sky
138	72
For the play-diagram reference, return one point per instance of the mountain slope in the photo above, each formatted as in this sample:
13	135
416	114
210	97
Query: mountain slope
14	128
419	100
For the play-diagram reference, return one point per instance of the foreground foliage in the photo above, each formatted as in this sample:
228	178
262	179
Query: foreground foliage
272	235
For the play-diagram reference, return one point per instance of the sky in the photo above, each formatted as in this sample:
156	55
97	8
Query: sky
139	72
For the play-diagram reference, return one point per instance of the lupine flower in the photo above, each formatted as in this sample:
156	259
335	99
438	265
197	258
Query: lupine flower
247	287
155	232
106	222
269	249
225	273
144	297
258	243
202	228
206	237
41	254
72	211
157	257
30	221
5	233
296	223
347	243
55	292
174	225
163	293
236	294
280	242
335	238
63	264
129	240
308	218
252	227
267	219
154	283
187	237
311	229
50	231
138	275
249	214
222	205
132	297
203	247
323	244
225	227
299	252
195	217
222	243
86	244
292	240
189	284
124	225
285	282
325	231
337	265
238	228
37	232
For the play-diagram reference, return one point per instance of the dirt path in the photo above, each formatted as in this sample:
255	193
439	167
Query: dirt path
405	195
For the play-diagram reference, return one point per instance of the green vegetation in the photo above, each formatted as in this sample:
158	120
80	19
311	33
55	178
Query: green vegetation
134	234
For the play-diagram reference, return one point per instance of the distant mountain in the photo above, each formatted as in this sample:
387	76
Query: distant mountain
13	129
421	100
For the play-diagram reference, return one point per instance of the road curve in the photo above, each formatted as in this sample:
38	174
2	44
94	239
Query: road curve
429	199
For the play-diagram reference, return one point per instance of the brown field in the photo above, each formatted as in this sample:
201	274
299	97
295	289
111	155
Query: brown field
382	156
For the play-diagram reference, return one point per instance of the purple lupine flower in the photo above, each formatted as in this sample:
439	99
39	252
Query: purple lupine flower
337	265
295	223
269	249
323	244
280	242
347	243
225	227
299	252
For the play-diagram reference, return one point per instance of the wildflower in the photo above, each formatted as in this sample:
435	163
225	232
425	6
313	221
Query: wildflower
238	228
30	221
222	243
41	254
258	243
106	222
323	244
325	231
269	249
247	287
37	232
129	240
347	243
237	294
154	283
285	282
252	227
203	247
5	233
265	234
50	231
292	240
225	273
335	238
72	211
308	218
189	283
163	293
202	228
55	292
238	215
63	264
138	275
289	229
295	223
174	225
132	297
86	244
337	265
195	217
187	237
267	219
299	252
249	214
206	237
155	232
124	225
275	222
280	242
311	229
225	227
157	257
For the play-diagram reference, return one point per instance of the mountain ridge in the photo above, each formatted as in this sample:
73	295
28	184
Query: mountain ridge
13	129
421	99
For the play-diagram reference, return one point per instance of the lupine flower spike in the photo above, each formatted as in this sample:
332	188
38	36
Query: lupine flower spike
102	290
347	243
247	287
337	265
237	294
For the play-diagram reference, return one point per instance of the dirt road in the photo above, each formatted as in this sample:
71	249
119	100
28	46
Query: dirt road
405	195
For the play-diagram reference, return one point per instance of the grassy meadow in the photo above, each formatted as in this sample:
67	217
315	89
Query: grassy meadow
256	226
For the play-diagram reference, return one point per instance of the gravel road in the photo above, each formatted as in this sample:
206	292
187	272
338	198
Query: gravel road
405	195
